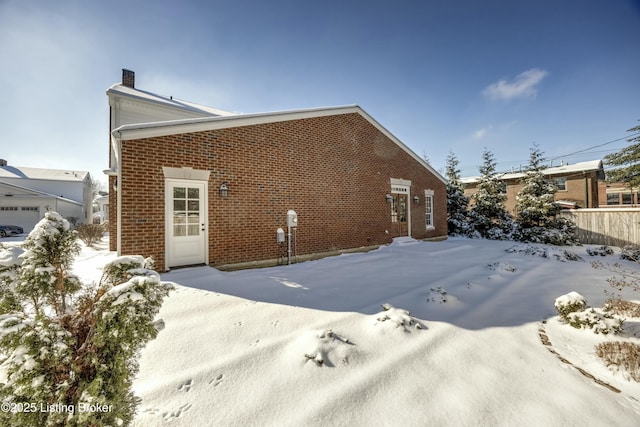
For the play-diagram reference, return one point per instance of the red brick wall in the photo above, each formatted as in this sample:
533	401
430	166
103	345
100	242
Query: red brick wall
333	171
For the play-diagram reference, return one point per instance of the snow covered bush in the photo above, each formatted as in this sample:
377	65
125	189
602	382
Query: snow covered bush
570	303
572	307
597	320
323	346
397	318
437	293
562	255
600	250
67	349
631	253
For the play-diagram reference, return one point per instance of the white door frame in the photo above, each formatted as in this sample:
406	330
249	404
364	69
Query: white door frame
203	224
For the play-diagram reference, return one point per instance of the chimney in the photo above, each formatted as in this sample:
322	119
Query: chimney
128	78
3	162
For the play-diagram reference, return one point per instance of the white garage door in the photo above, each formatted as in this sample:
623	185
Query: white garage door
23	216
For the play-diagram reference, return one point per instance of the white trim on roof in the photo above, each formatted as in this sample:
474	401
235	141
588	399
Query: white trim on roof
172	127
119	89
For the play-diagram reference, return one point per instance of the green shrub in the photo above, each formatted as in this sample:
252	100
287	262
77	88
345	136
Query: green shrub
67	346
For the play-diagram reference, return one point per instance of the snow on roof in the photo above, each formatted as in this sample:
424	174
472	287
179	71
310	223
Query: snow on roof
36	193
592	165
40	173
120	89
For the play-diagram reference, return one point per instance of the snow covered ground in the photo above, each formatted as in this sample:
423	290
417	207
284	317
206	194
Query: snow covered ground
310	344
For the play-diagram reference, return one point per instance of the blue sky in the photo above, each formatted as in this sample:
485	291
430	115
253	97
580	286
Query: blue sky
455	75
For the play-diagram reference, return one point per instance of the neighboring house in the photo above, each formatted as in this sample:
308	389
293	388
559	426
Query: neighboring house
194	185
579	185
618	194
101	209
26	194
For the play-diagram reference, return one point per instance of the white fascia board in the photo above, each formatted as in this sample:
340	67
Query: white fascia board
173	127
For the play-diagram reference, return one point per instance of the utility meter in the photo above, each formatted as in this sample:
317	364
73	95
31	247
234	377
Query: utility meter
280	235
292	218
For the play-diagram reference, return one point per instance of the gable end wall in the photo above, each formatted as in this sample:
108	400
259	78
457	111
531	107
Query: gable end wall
334	171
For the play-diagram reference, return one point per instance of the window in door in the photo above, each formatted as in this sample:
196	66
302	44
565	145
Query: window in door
399	214
186	211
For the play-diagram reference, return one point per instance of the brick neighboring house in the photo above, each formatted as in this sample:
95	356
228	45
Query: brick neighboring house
211	187
619	194
580	185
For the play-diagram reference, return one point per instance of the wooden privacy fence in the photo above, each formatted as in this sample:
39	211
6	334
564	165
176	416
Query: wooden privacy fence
606	226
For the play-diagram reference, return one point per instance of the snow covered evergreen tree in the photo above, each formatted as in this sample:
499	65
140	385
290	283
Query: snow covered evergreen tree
488	216
535	204
536	210
626	162
457	202
70	351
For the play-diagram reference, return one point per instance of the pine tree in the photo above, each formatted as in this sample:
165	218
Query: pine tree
457	202
67	346
535	204
488	215
628	160
536	210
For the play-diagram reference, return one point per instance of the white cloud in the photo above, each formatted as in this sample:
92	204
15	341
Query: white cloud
481	133
522	86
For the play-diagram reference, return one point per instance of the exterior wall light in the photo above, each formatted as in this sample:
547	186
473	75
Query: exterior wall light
389	198
416	199
224	190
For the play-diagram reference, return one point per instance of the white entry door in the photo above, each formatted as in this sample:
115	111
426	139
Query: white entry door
186	212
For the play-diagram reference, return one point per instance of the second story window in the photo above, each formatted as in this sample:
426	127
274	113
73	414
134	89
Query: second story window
560	183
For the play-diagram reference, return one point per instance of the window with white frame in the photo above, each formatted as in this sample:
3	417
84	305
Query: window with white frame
428	207
560	183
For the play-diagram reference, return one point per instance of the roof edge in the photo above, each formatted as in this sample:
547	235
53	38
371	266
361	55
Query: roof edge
155	129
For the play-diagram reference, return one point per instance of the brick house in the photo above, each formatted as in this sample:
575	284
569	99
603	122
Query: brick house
579	185
618	194
212	187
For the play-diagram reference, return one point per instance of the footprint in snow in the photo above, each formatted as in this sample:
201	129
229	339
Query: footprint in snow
216	381
186	386
168	416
